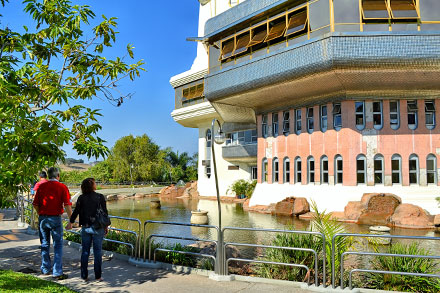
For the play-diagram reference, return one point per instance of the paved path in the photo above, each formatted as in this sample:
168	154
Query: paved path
19	252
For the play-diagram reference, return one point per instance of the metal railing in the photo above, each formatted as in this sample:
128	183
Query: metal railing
149	238
138	234
377	254
322	236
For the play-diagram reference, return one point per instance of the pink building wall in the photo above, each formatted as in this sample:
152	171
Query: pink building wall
349	142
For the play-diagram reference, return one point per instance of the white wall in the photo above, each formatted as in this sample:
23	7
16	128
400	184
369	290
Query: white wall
335	198
205	185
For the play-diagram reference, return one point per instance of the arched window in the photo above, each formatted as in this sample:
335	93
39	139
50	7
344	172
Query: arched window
361	169
274	124
310	120
378	169
394	115
264	125
430	114
431	169
208	138
264	170
324	169
310	170
412	114
298	170
338	169
323	116
396	169
337	116
275	170
413	169
377	115
359	108
286	170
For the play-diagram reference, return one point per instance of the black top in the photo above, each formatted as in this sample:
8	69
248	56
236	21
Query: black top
86	207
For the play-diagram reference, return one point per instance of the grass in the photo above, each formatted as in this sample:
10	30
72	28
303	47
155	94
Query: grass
18	282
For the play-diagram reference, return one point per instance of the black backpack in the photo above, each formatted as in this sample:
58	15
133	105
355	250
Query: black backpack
101	219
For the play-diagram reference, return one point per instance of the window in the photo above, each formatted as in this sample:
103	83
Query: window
310	125
361	169
264	126
323	112
275	170
241	43
264	170
375	9
298	170
360	115
298	121
310	170
324	169
413	169
412	114
277	27
208	138
227	48
431	169
254	173
286	123
208	171
337	116
396	169
430	114
403	9
394	115
193	92
242	137
286	170
338	169
378	169
297	23
274	124
259	33
377	115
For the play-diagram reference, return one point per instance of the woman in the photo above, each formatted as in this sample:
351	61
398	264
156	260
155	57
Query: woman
86	207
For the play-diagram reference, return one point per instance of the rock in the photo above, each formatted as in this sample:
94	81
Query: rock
300	206
437	220
338	216
111	197
379	207
172	191
210	248
284	207
411	216
263	209
140	195
307	216
122	196
353	210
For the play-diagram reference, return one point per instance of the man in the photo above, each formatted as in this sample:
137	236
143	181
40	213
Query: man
49	201
43	179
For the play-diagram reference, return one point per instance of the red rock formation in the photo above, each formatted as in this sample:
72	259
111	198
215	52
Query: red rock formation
411	216
379	207
300	206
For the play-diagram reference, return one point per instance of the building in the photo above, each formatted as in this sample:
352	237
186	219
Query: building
326	99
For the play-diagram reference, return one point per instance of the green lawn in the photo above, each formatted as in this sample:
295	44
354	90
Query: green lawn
18	282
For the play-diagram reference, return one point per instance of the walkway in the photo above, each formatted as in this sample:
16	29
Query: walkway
19	252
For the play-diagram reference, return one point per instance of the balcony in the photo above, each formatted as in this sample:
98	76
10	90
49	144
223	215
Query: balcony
240	153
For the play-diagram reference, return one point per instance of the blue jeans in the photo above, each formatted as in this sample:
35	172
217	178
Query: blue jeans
89	236
51	225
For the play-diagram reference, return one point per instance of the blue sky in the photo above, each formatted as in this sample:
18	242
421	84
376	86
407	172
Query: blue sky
158	30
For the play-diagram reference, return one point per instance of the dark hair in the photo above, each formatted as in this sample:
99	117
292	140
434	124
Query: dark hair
53	173
87	185
43	174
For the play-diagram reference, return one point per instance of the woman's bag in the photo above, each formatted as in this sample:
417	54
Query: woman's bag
102	220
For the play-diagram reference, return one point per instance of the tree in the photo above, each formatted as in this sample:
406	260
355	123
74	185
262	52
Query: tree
46	74
183	166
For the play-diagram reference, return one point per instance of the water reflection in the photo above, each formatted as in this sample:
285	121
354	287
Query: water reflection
179	210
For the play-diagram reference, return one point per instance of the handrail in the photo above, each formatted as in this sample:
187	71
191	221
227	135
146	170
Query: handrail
369	253
279	247
183	252
138	238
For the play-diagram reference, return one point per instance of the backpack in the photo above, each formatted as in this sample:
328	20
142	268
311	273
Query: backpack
101	219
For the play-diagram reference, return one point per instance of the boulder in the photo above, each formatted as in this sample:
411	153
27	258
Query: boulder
191	190
263	209
379	207
284	207
111	197
353	210
210	248
300	206
437	220
172	191
411	216
122	196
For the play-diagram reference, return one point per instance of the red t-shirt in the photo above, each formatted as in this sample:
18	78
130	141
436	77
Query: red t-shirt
50	198
44	180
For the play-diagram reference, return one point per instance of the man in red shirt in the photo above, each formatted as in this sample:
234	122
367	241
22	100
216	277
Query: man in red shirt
49	201
43	179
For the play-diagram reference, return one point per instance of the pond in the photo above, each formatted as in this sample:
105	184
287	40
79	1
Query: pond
233	215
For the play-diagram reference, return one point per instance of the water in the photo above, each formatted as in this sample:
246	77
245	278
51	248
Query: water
179	210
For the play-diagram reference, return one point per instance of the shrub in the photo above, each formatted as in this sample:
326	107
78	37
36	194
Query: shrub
290	256
243	187
404	264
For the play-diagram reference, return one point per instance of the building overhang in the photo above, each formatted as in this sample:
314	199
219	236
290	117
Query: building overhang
193	116
336	66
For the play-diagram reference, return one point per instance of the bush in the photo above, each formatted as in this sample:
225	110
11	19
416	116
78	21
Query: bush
404	264
243	187
290	256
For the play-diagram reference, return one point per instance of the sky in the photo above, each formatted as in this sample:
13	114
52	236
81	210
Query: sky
158	31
